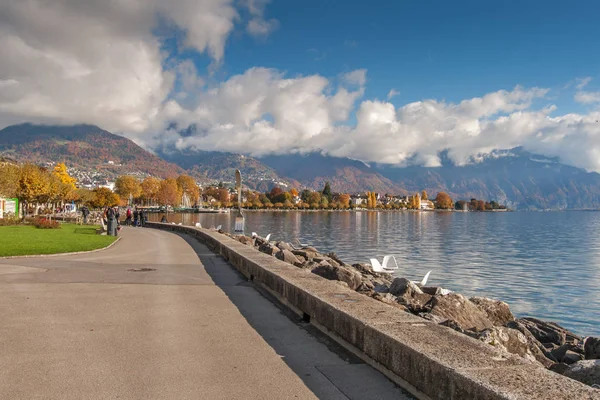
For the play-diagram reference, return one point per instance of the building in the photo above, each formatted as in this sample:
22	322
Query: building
9	207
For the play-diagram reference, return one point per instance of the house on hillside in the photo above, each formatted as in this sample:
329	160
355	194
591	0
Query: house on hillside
358	200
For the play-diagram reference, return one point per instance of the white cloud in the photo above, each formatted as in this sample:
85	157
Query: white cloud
356	77
392	93
258	25
582	82
587	97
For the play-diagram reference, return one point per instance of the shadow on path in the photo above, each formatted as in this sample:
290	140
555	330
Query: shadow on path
326	368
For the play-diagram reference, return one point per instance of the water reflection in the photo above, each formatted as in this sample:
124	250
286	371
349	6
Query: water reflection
543	264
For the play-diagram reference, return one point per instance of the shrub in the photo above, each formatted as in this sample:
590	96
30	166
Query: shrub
9	221
45	223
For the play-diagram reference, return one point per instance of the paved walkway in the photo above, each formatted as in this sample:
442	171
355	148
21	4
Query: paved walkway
92	326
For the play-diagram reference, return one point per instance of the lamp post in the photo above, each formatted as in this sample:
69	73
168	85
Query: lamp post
239	219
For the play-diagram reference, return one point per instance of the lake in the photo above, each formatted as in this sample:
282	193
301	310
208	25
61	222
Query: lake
543	264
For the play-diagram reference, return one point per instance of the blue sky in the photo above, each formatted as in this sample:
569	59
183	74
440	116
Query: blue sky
430	49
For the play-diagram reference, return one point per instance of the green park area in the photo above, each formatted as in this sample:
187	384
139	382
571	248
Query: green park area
21	240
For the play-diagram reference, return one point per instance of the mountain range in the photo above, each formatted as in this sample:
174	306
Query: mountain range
515	177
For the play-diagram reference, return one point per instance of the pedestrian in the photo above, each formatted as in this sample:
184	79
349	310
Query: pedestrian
142	217
164	219
128	216
136	215
85	211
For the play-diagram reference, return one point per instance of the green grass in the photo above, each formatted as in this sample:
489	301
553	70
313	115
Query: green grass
24	240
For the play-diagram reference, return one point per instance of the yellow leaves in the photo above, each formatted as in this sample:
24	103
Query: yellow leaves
60	171
126	186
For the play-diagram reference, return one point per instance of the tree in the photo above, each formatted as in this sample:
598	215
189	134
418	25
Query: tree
60	171
126	186
223	195
327	192
424	195
167	194
444	201
344	200
293	192
34	184
9	179
324	202
305	195
104	197
186	184
150	187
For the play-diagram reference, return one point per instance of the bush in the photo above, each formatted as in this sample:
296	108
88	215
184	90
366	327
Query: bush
9	221
45	223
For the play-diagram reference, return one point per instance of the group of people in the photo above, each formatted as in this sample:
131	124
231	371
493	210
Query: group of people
137	217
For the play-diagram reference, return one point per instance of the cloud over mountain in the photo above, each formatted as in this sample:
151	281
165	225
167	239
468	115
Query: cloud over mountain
107	63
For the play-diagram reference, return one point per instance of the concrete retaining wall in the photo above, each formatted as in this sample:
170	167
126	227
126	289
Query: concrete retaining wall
437	361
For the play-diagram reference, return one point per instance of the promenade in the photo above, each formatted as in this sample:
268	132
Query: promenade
97	326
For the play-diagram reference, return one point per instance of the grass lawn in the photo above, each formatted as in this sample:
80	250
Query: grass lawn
26	240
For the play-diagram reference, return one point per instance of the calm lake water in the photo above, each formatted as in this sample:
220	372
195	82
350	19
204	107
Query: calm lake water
543	264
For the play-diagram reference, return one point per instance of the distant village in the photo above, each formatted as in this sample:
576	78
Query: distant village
48	187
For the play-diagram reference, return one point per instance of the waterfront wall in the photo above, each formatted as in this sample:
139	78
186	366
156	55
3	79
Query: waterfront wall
430	360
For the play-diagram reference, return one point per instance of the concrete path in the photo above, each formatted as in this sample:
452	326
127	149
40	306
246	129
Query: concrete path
97	326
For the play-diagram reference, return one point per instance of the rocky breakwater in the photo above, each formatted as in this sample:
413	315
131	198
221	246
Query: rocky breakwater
487	320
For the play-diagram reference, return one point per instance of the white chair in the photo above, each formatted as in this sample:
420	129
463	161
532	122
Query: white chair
377	267
268	237
219	227
254	234
386	260
425	278
297	244
198	225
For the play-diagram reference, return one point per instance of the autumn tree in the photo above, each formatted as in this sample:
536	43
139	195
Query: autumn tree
126	186
60	171
9	179
104	197
33	185
444	201
167	194
344	200
150	187
424	195
186	184
293	192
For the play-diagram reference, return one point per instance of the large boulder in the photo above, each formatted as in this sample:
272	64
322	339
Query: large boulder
512	341
586	371
307	254
463	312
284	246
497	311
287	256
409	294
329	260
245	240
545	350
549	332
591	348
268	248
335	273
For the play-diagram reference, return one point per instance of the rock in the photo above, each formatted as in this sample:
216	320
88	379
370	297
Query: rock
287	256
435	290
334	273
512	341
299	258
334	256
560	351
365	286
381	288
549	332
571	357
458	308
586	371
307	254
284	246
559	368
544	349
591	348
497	311
390	299
329	260
245	240
268	248
409	294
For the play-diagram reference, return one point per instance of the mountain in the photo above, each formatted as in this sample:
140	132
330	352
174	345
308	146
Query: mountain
221	166
514	177
85	147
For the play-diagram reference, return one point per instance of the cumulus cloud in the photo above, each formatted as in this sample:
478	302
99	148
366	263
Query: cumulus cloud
392	93
356	77
100	61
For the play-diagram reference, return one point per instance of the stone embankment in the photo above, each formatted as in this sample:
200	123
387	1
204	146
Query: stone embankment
438	343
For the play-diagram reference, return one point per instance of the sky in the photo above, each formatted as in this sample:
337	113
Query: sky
393	82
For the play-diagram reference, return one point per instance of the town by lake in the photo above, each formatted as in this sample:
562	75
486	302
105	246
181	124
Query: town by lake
543	264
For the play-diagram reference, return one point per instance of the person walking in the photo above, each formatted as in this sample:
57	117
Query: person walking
142	217
136	215
128	215
85	212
